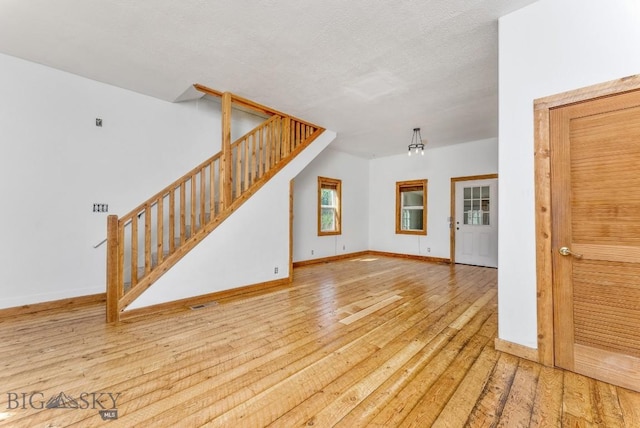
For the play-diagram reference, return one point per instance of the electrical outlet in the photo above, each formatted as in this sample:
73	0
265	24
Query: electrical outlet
428	249
275	269
312	252
344	247
100	208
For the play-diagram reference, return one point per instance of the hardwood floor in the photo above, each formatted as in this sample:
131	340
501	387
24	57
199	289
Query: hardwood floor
371	341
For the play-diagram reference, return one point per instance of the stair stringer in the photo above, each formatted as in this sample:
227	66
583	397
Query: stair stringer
242	250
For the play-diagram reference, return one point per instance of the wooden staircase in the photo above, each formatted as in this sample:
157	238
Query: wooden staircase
146	242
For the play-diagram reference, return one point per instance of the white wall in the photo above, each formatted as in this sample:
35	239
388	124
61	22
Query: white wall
354	173
438	165
55	163
245	248
549	47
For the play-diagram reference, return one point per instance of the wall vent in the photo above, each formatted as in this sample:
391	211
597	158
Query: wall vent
203	305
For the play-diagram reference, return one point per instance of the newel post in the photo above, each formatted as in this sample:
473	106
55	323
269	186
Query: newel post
113	287
227	158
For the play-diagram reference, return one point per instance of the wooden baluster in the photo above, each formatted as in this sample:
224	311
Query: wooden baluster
238	176
212	188
275	142
254	171
134	250
245	164
172	220
221	184
203	198
147	239
260	154
290	135
291	126
193	204
298	140
286	126
278	129
160	228
267	149
254	160
274	145
183	214
114	287
278	139
283	138
282	131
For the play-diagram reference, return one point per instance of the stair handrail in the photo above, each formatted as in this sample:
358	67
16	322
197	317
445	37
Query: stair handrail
238	100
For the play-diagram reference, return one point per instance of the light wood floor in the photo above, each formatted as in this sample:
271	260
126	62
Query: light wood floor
379	343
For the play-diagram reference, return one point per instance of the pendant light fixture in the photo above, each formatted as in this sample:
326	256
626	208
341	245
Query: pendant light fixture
416	142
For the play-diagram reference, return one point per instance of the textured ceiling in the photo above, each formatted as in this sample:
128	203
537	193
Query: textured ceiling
371	70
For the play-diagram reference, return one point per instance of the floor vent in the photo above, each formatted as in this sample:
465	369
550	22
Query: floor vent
203	305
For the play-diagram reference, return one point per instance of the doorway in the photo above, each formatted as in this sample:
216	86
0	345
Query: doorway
588	231
474	225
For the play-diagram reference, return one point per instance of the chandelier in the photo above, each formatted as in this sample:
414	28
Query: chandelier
416	142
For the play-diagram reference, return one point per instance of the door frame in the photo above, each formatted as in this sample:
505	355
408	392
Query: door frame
542	179
452	228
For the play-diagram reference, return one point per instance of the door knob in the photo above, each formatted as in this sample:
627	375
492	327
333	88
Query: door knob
565	251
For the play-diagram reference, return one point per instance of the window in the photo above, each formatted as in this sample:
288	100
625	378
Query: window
329	210
411	207
476	205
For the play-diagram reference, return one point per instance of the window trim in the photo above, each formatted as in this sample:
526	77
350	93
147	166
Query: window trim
400	187
324	182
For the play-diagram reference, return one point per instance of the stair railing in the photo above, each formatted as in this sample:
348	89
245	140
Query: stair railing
146	242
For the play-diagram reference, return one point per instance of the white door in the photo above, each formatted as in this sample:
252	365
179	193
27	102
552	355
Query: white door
476	222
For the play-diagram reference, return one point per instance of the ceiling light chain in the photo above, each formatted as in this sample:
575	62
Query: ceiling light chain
416	142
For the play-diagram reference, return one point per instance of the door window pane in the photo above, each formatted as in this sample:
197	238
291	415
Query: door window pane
477	206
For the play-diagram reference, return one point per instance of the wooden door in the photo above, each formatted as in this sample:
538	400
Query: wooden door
476	228
595	200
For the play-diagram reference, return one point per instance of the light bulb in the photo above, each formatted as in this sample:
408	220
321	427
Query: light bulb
409	152
422	153
416	150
